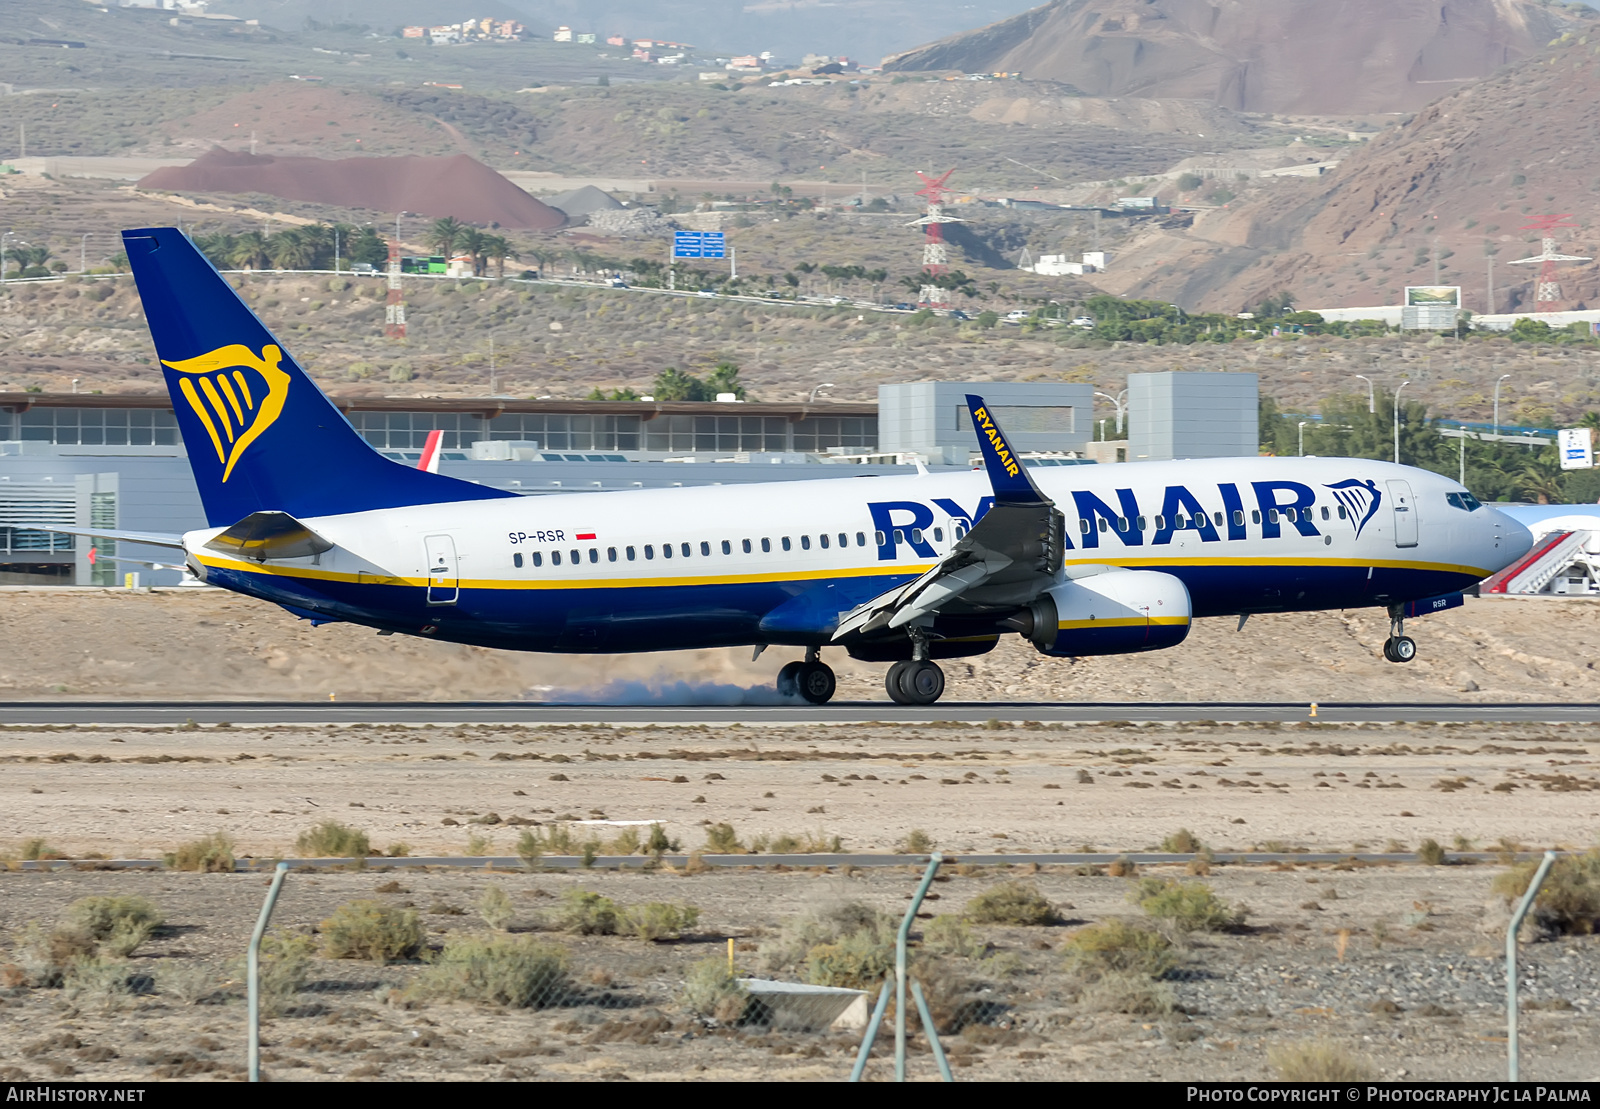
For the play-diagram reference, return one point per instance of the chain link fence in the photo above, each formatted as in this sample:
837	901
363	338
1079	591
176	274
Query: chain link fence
517	971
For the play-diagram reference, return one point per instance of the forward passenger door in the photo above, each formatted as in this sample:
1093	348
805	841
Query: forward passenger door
1405	513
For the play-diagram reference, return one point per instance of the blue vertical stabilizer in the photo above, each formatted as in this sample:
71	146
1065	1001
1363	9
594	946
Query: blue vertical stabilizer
260	435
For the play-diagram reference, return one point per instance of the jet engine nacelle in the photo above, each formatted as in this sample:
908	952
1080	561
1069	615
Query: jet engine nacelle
1114	613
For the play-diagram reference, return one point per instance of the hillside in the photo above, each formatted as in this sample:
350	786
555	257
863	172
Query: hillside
1284	56
1461	178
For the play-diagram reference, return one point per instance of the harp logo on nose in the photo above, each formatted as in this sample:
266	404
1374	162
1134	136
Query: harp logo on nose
235	395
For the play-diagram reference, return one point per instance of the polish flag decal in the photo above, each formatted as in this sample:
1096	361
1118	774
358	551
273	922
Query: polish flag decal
586	535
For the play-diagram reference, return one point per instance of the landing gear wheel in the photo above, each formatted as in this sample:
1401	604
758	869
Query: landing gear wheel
891	682
1402	649
816	682
789	679
922	683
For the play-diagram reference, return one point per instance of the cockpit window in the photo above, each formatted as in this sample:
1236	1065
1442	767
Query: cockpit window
1464	501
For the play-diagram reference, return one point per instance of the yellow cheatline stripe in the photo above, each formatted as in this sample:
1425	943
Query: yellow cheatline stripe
314	573
187	386
210	391
1241	560
244	388
233	398
1124	622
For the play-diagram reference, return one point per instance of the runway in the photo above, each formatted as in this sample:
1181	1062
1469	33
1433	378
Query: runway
261	713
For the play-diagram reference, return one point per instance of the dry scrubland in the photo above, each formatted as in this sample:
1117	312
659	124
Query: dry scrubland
1242	973
1289	972
565	342
215	645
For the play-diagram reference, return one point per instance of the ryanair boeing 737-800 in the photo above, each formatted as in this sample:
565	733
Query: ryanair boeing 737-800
1085	560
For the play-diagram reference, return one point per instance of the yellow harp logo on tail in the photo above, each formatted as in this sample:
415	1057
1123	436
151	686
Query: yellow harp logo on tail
234	406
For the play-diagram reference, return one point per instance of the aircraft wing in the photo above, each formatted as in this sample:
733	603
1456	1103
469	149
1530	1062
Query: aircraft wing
153	539
1007	558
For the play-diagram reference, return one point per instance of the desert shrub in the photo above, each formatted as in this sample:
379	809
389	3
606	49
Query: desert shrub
478	845
1122	867
711	989
950	935
45	954
721	839
1127	991
1187	906
282	971
1430	853
1317	1061
515	971
530	848
110	981
371	930
211	854
658	843
117	924
799	934
1116	946
658	919
587	913
189	983
626	842
1569	900
1181	842
917	842
495	908
32	850
858	961
331	839
1010	903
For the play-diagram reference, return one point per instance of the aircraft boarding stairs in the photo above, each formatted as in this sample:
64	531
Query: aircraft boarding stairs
1560	563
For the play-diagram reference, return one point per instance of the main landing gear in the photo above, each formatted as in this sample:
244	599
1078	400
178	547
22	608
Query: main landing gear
1399	647
811	680
918	681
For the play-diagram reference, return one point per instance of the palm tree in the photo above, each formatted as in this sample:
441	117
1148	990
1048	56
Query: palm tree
1541	478
291	250
444	234
249	251
472	243
497	248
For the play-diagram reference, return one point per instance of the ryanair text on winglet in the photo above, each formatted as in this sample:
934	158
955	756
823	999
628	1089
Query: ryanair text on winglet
999	444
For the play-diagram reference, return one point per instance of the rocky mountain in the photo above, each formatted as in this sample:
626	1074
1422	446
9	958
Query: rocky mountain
1460	182
1283	56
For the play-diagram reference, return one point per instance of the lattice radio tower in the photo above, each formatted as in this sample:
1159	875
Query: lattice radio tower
1547	292
935	256
394	314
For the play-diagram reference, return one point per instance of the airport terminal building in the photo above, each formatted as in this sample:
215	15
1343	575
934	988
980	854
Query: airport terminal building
116	462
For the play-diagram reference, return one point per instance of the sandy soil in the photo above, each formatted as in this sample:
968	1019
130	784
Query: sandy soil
1397	966
209	644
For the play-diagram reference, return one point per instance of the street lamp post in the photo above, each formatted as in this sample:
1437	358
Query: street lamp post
3	237
1403	384
1303	437
1372	397
83	253
1463	478
1121	403
815	389
1497	404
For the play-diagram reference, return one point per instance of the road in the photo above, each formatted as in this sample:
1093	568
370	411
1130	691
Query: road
165	713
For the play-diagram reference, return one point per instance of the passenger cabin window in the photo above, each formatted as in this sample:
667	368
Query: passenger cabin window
899	535
746	546
823	539
1343	515
629	551
961	529
705	548
649	551
684	550
555	558
666	550
577	557
1255	515
1272	515
611	554
594	554
538	559
805	542
1161	523
1324	512
516	560
916	535
727	547
861	539
938	535
766	546
785	542
1142	522
877	537
1238	517
1217	519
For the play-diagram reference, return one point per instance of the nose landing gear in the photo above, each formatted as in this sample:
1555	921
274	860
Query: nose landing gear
1399	647
812	680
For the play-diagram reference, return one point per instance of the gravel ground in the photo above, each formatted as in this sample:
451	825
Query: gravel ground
1397	965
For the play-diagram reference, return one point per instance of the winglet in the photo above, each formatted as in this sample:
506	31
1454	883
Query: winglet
1007	475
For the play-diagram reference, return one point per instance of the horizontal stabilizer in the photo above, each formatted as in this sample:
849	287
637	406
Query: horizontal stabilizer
149	538
263	535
